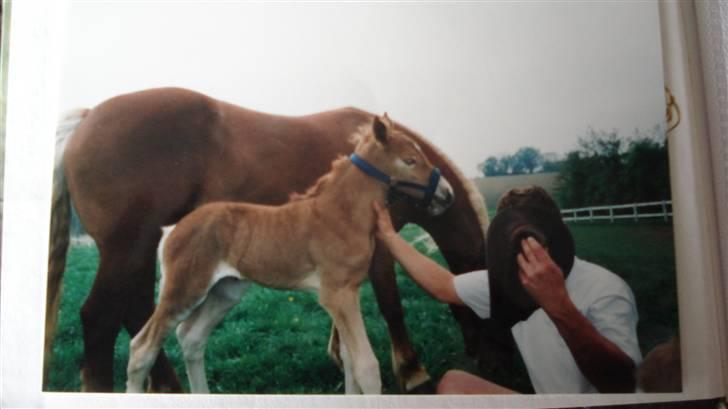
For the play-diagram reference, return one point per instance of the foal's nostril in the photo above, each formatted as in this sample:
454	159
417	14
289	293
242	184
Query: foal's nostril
449	197
446	197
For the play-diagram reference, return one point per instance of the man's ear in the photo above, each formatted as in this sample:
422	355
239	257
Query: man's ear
381	128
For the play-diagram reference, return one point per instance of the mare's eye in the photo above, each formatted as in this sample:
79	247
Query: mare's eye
410	161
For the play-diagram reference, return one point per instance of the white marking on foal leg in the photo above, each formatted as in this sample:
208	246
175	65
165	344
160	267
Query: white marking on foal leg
350	385
194	332
141	357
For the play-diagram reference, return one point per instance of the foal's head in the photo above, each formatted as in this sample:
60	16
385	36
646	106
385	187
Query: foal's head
397	155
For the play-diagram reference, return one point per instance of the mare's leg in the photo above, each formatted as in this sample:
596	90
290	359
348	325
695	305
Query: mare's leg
193	333
410	374
343	306
101	317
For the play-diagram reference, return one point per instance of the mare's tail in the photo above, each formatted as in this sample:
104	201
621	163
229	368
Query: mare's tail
59	234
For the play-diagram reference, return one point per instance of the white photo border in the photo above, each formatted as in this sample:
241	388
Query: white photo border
36	39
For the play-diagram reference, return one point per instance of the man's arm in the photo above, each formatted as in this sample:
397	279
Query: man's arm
602	362
429	275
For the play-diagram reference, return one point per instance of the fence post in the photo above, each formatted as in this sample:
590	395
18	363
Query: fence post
664	210
591	215
634	208
611	215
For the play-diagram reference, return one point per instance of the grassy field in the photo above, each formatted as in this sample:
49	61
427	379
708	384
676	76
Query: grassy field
275	341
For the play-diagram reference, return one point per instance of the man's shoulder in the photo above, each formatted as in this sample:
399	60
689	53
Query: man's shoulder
594	281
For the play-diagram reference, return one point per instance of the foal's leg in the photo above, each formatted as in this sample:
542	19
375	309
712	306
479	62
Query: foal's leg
146	345
410	374
162	377
343	306
351	387
340	355
175	305
193	332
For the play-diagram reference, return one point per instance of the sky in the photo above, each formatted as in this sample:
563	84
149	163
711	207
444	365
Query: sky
477	79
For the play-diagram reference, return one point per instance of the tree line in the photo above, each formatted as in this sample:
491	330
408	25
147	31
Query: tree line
604	169
525	160
610	169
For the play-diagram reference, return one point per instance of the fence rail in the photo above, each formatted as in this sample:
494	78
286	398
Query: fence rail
659	209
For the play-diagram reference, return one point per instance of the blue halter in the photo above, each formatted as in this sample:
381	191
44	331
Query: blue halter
395	186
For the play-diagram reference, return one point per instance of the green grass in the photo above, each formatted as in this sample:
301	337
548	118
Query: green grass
275	341
644	256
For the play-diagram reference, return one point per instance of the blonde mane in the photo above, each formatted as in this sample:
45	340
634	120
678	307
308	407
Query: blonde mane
322	182
357	137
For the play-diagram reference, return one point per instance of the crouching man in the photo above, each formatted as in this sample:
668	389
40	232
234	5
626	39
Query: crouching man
574	322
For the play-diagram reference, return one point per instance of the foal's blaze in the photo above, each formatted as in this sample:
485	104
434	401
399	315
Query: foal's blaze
213	254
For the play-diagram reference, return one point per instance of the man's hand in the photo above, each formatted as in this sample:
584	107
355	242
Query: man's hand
606	366
541	277
385	229
429	275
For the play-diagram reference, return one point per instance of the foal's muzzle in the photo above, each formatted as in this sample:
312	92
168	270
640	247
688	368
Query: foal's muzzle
443	198
436	196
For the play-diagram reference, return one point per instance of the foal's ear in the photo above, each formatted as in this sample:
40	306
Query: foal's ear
381	127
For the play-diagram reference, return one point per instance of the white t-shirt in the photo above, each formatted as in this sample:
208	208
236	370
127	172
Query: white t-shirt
600	295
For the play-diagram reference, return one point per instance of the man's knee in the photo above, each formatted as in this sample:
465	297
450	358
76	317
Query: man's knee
451	382
456	382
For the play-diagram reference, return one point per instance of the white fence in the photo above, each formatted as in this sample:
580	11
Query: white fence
632	211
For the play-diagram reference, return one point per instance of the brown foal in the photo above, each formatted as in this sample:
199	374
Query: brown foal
321	241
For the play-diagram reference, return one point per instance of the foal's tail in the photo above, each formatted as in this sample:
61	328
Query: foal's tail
59	234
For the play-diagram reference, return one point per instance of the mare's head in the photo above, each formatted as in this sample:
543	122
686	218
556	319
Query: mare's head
398	161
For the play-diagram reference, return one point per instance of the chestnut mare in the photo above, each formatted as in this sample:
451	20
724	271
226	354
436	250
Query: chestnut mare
143	160
321	241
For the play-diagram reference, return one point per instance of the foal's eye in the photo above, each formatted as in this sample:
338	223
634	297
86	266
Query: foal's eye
410	161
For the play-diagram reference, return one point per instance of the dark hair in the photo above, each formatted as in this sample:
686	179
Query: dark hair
527	196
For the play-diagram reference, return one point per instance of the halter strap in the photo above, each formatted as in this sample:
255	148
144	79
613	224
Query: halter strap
370	170
395	186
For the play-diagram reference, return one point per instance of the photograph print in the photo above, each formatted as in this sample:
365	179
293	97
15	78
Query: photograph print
467	198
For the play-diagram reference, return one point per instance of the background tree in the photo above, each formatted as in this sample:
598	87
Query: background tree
528	159
505	164
491	167
551	162
609	169
525	160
